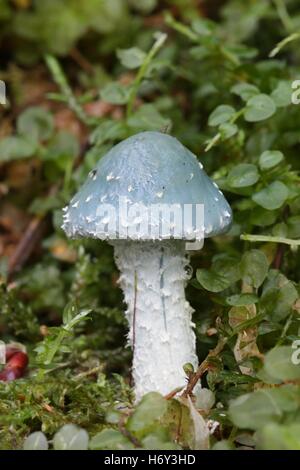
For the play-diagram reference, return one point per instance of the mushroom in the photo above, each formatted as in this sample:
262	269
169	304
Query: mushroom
148	196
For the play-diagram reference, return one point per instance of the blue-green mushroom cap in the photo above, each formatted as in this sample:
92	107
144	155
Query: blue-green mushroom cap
144	185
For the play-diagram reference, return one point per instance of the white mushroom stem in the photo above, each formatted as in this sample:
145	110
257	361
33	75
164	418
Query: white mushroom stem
153	279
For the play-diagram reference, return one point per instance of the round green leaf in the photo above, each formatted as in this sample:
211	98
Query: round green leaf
278	296
147	117
212	281
36	441
227	266
254	267
15	148
262	217
228	130
145	6
131	58
293	224
279	364
36	123
203	26
273	196
159	439
71	437
259	107
282	93
149	410
245	90
254	410
110	439
240	300
221	114
275	436
243	175
269	159
115	93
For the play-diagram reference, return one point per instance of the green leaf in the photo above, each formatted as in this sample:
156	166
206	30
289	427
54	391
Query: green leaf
282	93
203	26
150	409
254	267
15	148
275	436
205	399
228	130
144	6
36	123
69	325
70	312
62	149
262	217
108	130
36	441
147	117
259	108
71	437
159	439
243	175
223	445
115	93
131	58
108	15
110	439
254	410
273	196
220	115
278	296
178	413
43	205
245	90
279	364
239	300
293	224
212	281
227	266
269	159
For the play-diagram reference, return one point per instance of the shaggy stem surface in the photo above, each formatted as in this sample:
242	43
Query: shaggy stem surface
153	278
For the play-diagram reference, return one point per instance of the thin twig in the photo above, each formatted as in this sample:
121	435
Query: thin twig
204	366
92	371
26	245
278	257
126	433
81	60
29	241
173	393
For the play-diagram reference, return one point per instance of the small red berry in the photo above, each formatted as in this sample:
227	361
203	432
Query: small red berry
15	367
19	360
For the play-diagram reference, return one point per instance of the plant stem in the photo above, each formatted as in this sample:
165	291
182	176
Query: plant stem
283	14
203	367
181	28
194	37
265	238
62	82
292	37
218	136
143	70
